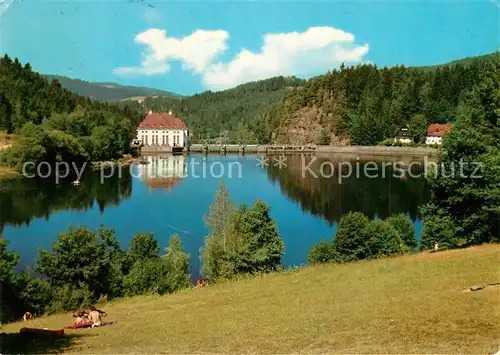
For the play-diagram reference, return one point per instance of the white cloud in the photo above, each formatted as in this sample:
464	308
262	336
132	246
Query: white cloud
196	51
295	53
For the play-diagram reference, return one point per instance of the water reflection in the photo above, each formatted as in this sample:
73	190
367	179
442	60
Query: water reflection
162	172
22	200
331	196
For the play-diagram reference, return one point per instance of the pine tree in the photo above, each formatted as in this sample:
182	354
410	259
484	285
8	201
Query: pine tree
218	221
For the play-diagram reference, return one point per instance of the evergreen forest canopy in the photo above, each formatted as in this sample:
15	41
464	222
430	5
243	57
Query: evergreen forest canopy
365	105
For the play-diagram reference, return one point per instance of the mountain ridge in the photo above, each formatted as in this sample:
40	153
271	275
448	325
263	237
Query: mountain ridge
111	91
107	91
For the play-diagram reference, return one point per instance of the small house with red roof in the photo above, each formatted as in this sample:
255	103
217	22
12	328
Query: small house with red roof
436	132
162	131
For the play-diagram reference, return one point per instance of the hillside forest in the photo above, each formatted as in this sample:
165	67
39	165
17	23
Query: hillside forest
55	124
362	105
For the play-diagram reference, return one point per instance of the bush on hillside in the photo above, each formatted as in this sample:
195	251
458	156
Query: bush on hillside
158	274
36	294
241	241
82	257
257	246
359	238
439	228
322	252
177	262
69	297
144	246
405	228
9	297
217	220
383	240
350	240
146	276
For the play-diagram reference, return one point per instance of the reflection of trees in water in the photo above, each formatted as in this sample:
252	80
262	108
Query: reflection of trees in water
375	197
21	200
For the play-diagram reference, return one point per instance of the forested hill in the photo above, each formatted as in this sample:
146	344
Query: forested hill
107	91
356	105
464	61
365	105
55	124
238	113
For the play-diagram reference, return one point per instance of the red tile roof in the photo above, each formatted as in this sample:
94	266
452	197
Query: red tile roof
438	130
159	120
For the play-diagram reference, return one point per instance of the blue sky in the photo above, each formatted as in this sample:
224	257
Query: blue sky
188	47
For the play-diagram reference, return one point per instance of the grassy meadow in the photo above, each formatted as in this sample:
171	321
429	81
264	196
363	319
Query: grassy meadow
407	304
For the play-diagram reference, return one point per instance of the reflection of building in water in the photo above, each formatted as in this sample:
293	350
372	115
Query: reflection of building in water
163	172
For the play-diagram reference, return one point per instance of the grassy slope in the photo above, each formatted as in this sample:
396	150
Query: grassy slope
409	304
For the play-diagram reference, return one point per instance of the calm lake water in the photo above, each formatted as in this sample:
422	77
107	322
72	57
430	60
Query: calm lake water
172	193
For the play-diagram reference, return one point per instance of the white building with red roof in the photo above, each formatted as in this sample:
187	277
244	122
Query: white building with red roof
162	130
436	132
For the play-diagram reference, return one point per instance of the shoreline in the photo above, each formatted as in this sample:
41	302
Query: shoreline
378	150
274	149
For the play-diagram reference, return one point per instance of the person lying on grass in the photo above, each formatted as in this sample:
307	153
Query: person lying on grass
89	314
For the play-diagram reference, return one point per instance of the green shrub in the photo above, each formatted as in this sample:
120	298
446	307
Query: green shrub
146	276
82	257
349	241
10	302
359	238
177	262
241	241
382	240
144	246
322	252
256	245
160	275
70	297
439	227
217	220
405	228
36	293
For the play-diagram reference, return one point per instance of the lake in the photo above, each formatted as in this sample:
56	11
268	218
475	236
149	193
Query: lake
307	195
